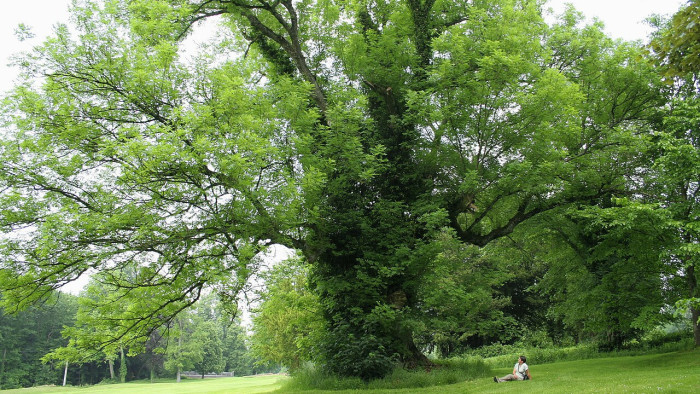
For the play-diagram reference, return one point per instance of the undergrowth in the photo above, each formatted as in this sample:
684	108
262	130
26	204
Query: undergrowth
447	371
501	356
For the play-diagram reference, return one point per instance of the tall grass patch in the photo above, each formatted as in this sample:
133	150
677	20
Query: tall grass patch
501	356
444	372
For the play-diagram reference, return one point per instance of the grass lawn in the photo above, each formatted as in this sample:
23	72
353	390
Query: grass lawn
677	372
242	385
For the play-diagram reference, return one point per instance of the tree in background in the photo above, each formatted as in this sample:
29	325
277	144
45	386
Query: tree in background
609	283
96	330
676	175
462	306
676	45
203	339
676	161
288	322
236	349
69	355
180	356
207	342
26	336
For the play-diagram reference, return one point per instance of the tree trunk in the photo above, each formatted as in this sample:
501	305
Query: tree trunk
65	374
179	349
695	315
694	311
2	365
111	368
122	367
415	359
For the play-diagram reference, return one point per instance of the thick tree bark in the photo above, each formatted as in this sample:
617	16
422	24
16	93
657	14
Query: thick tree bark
416	359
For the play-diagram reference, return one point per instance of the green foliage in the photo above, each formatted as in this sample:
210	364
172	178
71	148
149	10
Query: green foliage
27	336
461	299
237	349
288	322
206	349
676	45
673	178
123	205
615	289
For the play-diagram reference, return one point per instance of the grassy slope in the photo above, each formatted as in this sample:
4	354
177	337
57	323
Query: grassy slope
669	373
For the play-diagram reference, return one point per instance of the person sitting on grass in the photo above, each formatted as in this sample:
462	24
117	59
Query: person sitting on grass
520	372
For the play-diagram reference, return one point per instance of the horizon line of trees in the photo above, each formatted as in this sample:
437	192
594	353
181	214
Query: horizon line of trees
44	345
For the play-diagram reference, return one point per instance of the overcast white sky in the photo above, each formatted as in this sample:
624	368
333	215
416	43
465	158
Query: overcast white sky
622	18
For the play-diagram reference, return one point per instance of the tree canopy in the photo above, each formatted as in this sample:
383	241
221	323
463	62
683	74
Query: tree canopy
382	139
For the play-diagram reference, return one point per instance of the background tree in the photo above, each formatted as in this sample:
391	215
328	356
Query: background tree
676	46
676	195
179	356
236	349
677	164
26	336
609	286
462	303
288	323
68	356
207	342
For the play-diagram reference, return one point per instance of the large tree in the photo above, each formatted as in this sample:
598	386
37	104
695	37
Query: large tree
352	131
676	168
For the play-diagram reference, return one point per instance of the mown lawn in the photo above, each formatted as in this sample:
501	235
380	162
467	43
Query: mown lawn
669	373
242	385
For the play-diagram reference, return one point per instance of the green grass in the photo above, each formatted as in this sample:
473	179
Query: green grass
677	372
242	385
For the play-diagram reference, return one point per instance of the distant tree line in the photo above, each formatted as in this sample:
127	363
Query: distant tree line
36	343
